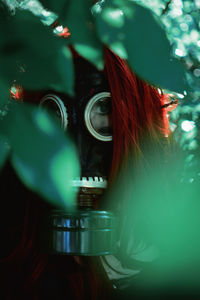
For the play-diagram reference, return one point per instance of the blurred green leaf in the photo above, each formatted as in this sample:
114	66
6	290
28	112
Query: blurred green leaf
43	157
83	32
77	16
4	150
143	41
91	53
4	88
30	52
59	7
156	209
65	65
59	74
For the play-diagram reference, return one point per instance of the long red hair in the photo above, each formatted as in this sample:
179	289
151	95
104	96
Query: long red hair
138	111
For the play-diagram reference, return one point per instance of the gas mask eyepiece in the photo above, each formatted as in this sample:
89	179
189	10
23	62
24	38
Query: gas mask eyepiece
98	116
53	103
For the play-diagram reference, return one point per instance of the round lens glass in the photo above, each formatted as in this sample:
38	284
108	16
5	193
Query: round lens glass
101	117
54	104
98	116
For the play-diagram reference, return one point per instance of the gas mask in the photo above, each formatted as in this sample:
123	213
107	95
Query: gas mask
87	119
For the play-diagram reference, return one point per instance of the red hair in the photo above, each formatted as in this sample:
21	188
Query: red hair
137	110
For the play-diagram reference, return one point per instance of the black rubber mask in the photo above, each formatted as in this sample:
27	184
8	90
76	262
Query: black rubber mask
88	120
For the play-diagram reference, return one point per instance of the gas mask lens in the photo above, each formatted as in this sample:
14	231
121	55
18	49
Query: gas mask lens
98	116
53	103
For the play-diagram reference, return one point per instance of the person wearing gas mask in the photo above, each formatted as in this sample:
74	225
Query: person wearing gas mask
113	112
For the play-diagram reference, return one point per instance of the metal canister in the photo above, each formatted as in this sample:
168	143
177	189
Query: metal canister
84	232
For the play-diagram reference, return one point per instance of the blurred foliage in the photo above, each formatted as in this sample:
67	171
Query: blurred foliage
129	29
43	165
158	224
160	40
37	59
4	150
182	26
144	42
20	53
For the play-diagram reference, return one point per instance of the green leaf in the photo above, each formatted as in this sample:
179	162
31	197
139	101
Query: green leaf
142	40
27	45
4	96
77	16
59	74
4	150
155	209
83	33
66	67
43	157
91	53
59	7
